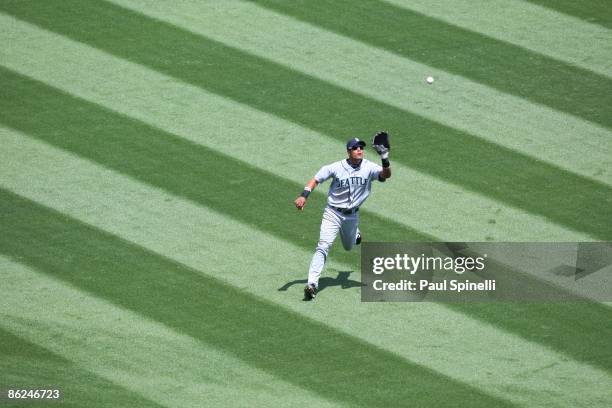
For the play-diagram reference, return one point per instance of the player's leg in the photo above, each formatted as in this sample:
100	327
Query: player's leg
349	231
330	225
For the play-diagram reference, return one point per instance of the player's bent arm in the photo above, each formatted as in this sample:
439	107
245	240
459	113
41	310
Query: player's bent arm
312	184
300	202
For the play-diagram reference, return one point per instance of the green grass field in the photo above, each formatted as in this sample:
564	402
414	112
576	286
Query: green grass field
150	151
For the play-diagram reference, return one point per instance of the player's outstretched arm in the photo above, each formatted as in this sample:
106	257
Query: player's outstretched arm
300	202
381	144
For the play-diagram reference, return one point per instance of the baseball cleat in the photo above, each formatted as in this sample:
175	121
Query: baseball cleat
358	239
310	292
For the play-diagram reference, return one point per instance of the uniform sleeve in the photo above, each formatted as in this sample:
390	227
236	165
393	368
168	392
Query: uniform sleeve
324	173
375	171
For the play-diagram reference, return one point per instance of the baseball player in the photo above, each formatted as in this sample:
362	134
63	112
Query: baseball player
351	184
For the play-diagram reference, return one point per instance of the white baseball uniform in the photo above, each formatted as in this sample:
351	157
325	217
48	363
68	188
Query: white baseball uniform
349	188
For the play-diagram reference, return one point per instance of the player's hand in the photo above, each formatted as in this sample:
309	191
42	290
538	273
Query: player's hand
381	144
300	202
382	151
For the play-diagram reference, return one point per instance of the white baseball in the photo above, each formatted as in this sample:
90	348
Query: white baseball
430	80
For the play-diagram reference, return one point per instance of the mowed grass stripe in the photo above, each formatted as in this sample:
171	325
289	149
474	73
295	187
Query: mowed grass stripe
521	23
494	63
593	11
454	101
26	364
130	350
416	200
440	151
270	338
265	266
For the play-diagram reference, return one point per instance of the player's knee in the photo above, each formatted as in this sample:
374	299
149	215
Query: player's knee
323	246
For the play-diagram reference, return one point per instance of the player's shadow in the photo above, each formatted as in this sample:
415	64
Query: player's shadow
341	280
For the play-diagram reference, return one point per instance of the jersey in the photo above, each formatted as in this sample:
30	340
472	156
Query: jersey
350	186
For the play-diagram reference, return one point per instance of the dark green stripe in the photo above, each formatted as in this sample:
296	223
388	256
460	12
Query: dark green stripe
24	364
593	11
296	349
443	152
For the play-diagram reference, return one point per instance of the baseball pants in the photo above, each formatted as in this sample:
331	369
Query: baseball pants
333	223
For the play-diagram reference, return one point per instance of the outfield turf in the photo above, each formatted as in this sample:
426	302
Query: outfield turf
150	153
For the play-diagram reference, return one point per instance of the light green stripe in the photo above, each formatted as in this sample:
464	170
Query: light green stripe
132	351
208	241
530	26
534	130
284	148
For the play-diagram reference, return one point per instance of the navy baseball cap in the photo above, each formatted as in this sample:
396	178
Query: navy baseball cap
354	142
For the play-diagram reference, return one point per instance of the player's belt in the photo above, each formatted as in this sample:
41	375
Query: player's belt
346	211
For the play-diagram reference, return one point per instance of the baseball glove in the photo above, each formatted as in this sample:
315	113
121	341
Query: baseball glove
381	144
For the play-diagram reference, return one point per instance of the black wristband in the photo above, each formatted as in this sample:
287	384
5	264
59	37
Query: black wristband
385	163
305	193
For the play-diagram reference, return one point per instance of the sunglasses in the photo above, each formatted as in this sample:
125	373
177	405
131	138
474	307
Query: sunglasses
357	148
